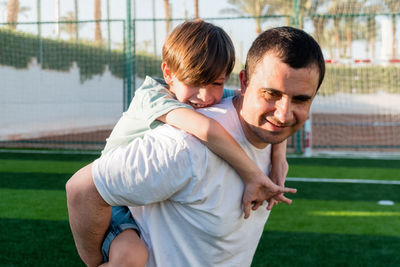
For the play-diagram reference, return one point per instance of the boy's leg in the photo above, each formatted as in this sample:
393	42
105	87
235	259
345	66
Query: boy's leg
127	249
122	245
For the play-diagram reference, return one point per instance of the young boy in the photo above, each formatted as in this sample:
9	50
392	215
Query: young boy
198	58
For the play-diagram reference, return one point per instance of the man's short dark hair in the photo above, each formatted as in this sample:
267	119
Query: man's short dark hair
293	46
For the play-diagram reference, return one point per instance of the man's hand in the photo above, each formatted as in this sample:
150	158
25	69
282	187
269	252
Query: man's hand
260	189
89	216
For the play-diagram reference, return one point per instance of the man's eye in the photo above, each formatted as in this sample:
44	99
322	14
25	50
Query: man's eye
301	99
271	94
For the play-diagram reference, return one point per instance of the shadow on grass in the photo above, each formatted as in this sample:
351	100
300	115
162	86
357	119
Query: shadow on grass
27	180
313	249
37	243
49	156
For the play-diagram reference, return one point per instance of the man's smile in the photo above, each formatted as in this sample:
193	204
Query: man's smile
275	126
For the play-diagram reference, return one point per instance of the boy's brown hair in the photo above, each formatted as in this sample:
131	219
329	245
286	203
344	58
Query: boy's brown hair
198	52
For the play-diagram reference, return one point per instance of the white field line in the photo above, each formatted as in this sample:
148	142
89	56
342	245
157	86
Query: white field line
295	179
333	180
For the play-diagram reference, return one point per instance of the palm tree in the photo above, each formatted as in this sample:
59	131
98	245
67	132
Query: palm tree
97	17
370	30
167	16
108	26
319	22
327	39
196	8
394	7
76	11
254	8
370	35
339	9
347	24
12	13
305	7
351	7
69	27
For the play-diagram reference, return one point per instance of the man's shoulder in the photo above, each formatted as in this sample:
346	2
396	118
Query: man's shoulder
225	113
220	110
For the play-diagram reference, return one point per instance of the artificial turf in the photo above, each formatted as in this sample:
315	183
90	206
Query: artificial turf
332	224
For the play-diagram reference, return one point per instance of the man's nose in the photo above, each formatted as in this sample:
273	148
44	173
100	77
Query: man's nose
283	112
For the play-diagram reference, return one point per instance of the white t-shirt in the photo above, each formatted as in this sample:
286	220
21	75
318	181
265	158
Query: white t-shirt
192	214
151	101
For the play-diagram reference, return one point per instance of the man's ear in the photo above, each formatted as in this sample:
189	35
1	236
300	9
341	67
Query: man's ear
166	73
243	81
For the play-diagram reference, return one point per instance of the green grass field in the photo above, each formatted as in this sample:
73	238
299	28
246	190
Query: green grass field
328	224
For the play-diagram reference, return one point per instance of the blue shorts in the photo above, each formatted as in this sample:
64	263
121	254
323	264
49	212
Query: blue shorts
121	219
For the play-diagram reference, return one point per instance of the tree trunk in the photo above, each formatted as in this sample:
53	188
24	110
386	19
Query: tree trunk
76	18
258	27
394	36
337	38
349	41
167	16
12	13
372	48
97	16
319	26
196	8
330	52
39	17
108	26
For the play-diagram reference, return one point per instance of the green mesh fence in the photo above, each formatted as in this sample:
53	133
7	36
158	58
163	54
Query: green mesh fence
59	91
356	109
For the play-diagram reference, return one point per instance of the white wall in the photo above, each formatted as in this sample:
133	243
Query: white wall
36	102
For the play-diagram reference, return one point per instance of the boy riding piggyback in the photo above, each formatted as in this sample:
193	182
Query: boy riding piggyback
197	60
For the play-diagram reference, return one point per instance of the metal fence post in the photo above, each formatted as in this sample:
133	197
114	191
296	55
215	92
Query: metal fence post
133	71
127	55
296	24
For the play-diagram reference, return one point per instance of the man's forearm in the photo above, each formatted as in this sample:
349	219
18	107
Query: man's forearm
89	216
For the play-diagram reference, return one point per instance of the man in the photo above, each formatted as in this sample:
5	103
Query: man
185	199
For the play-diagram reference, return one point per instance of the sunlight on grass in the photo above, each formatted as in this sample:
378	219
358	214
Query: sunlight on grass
335	217
355	213
343	172
48	205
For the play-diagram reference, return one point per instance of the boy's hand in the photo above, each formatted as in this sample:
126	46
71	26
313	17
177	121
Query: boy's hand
279	171
278	174
261	188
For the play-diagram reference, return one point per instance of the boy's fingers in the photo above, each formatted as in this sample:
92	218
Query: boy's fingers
271	203
256	205
288	190
246	209
284	199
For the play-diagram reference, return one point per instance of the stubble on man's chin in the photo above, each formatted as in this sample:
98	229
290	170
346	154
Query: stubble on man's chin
267	137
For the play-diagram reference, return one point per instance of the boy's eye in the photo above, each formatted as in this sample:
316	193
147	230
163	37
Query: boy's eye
218	84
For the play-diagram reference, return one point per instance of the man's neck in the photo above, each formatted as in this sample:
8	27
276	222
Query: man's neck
237	102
